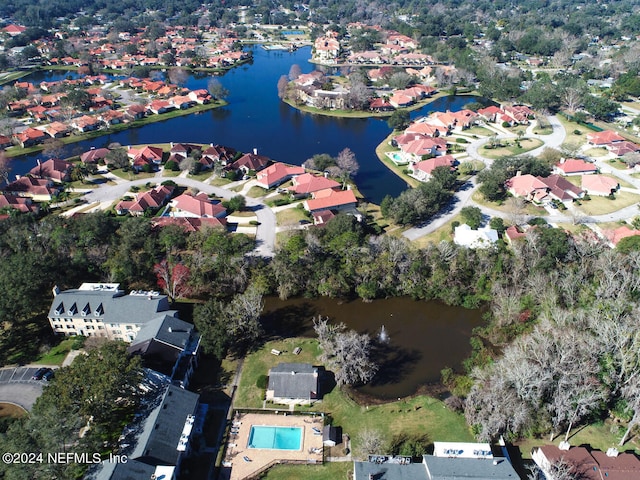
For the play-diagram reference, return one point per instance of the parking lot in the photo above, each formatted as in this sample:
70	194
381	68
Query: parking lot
17	387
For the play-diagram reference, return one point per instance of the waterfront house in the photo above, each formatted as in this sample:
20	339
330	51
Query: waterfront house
29	137
38	189
293	384
53	169
16	202
330	199
94	155
276	174
85	123
146	155
307	184
57	130
422	170
5	142
249	162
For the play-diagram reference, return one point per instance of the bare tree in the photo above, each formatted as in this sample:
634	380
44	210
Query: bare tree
572	99
52	148
283	82
294	72
369	442
179	76
359	94
217	91
346	352
5	166
346	161
187	164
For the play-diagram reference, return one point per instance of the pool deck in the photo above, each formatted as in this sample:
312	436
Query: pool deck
237	448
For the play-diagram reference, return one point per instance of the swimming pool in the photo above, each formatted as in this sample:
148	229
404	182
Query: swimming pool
275	438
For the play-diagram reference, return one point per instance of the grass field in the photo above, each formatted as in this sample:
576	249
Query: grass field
57	354
328	471
529	209
441	234
597	152
290	217
14	411
413	416
527	144
603	205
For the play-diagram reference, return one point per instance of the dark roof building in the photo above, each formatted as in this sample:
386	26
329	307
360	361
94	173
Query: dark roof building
163	442
293	383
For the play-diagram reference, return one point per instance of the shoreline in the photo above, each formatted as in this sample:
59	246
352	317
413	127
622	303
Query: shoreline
71	139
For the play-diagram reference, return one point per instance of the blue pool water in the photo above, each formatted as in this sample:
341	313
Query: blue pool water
276	438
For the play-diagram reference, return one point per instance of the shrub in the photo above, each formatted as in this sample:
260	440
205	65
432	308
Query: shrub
461	140
262	382
505	125
254	222
577	132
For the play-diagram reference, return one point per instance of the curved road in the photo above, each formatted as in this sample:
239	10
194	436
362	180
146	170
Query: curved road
462	197
265	232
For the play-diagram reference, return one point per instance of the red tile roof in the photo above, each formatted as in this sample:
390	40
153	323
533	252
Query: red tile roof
576	165
329	199
308	183
198	206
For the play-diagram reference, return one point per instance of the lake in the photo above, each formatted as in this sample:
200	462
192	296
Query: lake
423	337
256	118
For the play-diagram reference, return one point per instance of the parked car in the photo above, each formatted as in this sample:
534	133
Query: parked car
48	375
40	373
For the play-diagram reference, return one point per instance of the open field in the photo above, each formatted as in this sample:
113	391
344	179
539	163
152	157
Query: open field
528	209
527	144
603	205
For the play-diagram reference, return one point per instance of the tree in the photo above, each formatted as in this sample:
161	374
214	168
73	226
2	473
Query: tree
5	166
237	203
472	216
346	161
217	91
283	83
179	76
399	120
52	148
345	352
600	108
173	279
369	442
118	158
294	72
359	94
233	326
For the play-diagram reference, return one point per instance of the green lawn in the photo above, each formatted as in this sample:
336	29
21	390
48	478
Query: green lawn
527	144
57	354
603	205
529	208
290	216
256	192
597	152
617	164
417	415
130	175
328	471
441	234
381	151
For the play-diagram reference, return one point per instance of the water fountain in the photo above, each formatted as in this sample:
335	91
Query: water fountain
383	336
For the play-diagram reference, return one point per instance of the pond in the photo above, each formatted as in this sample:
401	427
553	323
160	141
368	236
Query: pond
422	337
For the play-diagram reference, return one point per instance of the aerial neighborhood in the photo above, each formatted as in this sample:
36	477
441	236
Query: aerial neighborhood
319	240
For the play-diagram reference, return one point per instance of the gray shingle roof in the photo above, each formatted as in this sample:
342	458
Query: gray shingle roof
441	468
109	306
389	471
294	380
167	329
157	445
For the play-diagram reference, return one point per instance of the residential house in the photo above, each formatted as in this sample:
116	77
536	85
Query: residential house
160	106
400	100
427	129
85	123
513	233
29	137
330	199
480	238
53	169
14	29
599	185
146	155
491	113
622	148
162	440
112	117
293	384
135	112
615	235
322	217
575	166
57	130
217	154
151	200
200	96
16	202
519	114
276	174
543	189
415	150
249	162
5	142
95	155
190	224
422	170
380	105
199	205
588	464
307	184
38	189
604	138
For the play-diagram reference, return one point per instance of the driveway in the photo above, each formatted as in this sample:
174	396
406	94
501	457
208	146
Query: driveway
265	233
